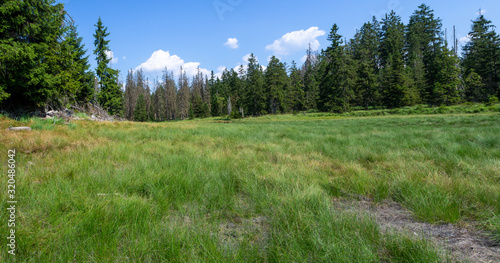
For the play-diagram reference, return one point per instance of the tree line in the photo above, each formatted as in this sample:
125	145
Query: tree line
387	64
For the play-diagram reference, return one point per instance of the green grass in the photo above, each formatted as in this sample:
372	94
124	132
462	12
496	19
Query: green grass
252	190
417	110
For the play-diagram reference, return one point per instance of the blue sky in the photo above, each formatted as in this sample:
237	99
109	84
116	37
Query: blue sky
214	34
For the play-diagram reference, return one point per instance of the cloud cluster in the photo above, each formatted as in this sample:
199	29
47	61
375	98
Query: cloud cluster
289	43
160	60
110	55
464	39
296	41
232	43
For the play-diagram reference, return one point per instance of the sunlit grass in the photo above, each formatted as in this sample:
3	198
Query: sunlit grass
252	190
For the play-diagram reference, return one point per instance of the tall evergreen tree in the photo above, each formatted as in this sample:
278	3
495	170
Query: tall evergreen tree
110	95
295	93
170	95
129	96
366	55
31	35
197	103
482	55
255	96
447	83
216	100
311	80
336	67
76	79
140	111
423	47
395	87
475	90
276	84
183	96
236	90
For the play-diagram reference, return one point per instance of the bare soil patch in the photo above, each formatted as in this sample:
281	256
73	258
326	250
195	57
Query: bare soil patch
463	244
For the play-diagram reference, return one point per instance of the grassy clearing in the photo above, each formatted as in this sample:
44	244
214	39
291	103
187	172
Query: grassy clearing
253	190
418	110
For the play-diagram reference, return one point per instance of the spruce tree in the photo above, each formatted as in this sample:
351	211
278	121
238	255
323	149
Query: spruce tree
170	95
475	90
140	111
183	96
76	79
366	55
446	89
110	95
129	98
255	97
482	56
394	78
311	80
337	74
423	48
295	93
31	56
276	84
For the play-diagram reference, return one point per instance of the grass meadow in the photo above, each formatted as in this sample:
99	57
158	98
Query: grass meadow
249	190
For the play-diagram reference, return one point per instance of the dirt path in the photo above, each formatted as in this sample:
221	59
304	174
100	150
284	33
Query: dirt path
462	244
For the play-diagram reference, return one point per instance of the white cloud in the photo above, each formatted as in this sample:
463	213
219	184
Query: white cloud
111	56
246	58
221	68
160	60
232	43
464	39
296	41
303	59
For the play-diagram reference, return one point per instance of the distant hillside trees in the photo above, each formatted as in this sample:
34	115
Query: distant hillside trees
387	64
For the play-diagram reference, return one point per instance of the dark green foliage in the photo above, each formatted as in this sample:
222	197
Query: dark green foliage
255	96
337	70
140	111
396	88
276	83
79	79
41	56
295	92
199	108
424	48
475	91
110	94
365	49
482	56
311	83
447	81
386	65
183	96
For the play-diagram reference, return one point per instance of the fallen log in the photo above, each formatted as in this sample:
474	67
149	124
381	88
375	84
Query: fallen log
19	128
